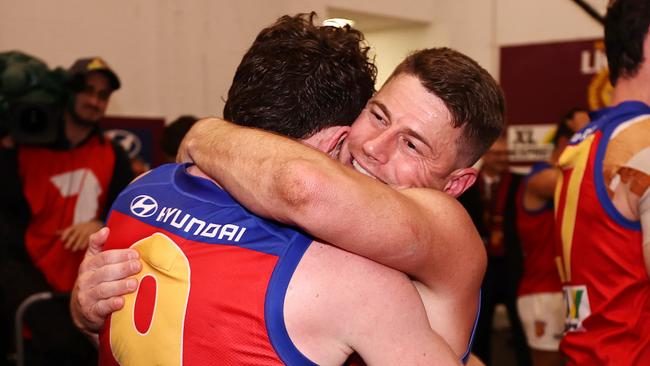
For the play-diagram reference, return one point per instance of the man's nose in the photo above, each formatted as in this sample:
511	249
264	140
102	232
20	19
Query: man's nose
377	147
93	99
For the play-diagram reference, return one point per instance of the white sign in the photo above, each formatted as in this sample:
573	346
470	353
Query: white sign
530	143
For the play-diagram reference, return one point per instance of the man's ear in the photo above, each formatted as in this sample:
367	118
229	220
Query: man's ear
329	140
333	147
459	181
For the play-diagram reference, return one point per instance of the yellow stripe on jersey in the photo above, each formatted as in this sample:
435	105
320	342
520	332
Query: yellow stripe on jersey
162	343
574	157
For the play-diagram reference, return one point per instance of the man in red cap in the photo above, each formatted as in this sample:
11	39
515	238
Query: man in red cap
56	195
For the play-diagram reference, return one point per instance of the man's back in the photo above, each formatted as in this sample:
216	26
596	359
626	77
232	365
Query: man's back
606	283
218	285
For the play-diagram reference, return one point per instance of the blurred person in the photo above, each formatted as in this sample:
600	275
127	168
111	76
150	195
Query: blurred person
577	118
539	298
603	208
173	135
62	191
492	206
448	175
376	311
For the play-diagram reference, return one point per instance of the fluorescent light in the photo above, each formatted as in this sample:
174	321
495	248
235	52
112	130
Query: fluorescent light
338	22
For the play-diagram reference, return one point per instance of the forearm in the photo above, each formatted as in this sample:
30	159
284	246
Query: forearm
421	232
413	231
248	163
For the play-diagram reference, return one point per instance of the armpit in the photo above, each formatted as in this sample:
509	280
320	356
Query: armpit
638	181
627	159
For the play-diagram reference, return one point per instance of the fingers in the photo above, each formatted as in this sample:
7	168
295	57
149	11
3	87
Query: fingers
80	243
97	240
122	262
77	240
65	236
89	309
102	281
104	308
110	290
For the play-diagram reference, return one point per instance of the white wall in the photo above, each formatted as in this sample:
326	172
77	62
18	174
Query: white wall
176	57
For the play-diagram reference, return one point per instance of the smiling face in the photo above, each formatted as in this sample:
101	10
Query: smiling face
90	103
404	137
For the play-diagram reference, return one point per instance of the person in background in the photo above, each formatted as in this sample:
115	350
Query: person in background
603	208
62	192
539	302
491	203
173	135
577	118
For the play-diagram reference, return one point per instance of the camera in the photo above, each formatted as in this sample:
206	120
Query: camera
32	99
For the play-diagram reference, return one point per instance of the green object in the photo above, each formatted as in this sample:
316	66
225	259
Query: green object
27	78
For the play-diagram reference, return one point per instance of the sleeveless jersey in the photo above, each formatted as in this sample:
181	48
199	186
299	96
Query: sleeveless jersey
213	282
536	235
606	286
62	187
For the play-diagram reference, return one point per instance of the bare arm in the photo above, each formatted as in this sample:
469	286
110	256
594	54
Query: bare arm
399	333
540	188
421	232
542	184
375	312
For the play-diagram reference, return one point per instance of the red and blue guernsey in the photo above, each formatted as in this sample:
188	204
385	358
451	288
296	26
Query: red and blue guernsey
606	286
536	234
213	282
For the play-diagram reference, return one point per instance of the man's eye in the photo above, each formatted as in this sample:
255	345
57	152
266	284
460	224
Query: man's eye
410	145
378	116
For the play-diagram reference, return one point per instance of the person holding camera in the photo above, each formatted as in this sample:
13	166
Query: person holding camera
55	195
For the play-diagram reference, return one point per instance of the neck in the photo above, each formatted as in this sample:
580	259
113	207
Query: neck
633	88
75	132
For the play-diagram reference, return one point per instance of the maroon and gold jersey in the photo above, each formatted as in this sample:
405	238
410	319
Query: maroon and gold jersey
600	258
62	187
537	238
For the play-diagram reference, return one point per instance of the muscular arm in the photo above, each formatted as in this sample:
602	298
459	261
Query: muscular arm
375	312
421	232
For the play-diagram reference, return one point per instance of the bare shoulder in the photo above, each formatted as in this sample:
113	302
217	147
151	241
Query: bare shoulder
334	297
449	223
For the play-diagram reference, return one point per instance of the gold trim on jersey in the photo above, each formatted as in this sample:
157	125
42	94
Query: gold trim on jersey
574	157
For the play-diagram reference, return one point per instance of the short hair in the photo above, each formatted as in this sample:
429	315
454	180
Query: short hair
174	132
299	78
626	27
471	95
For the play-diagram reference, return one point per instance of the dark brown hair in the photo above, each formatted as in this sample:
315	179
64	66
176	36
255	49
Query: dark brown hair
298	78
471	95
626	26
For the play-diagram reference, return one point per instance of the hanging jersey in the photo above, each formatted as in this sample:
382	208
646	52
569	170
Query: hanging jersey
62	187
213	282
536	235
606	286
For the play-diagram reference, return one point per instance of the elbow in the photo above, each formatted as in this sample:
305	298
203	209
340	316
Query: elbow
296	186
